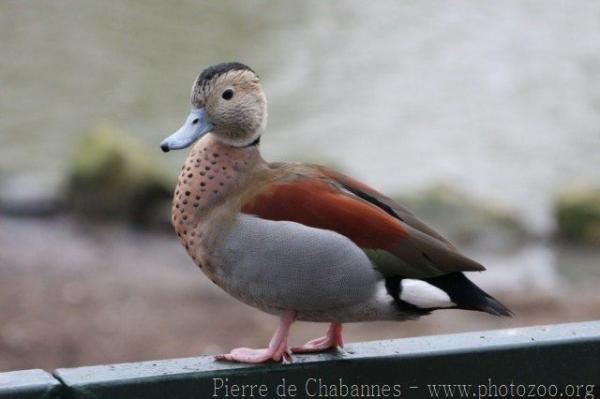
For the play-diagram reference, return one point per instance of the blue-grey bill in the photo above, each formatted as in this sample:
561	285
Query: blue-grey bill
195	126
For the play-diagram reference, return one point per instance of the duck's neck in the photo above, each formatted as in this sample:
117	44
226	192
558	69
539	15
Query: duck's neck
209	174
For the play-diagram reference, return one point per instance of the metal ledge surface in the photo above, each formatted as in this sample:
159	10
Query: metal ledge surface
561	358
29	384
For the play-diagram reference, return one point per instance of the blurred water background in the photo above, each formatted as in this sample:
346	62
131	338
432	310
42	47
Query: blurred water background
498	99
501	99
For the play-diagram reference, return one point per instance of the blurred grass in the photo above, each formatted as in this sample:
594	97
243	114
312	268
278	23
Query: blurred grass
577	211
111	177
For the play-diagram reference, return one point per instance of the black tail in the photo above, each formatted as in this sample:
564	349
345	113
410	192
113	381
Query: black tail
467	295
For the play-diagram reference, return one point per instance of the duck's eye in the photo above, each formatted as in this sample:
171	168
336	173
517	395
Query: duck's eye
227	94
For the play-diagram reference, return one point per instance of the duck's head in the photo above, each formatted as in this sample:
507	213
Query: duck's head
228	102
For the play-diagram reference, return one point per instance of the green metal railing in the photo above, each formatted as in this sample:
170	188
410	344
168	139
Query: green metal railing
545	361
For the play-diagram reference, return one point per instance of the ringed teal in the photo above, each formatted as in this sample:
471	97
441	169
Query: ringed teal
301	241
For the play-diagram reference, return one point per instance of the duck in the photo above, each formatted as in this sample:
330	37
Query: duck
301	241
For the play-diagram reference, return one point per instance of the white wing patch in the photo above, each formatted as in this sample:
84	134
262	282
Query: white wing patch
423	294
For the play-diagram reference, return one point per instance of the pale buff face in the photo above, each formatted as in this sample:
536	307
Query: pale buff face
235	104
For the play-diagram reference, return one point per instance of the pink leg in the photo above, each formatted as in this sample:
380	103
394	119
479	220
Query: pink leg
276	351
332	340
